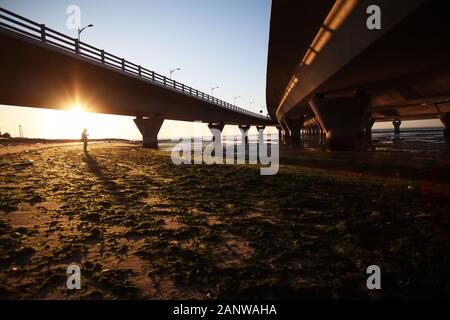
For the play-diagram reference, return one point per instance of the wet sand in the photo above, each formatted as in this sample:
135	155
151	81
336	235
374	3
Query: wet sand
140	227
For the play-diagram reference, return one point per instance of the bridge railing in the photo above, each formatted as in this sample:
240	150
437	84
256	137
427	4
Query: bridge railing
48	36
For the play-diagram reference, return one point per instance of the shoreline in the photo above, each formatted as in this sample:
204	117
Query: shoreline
380	164
18	145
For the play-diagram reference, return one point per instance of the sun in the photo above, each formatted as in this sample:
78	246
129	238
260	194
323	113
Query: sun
78	114
70	122
77	109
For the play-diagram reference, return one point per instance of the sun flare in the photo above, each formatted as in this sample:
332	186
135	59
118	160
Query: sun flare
78	109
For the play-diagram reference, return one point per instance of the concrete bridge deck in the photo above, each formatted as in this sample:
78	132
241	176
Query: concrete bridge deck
325	64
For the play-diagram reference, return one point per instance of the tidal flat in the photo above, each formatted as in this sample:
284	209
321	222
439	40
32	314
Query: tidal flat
140	227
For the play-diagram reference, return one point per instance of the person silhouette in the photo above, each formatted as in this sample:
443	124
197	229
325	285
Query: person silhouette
84	139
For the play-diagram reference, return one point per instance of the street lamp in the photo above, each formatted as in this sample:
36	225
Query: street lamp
250	105
235	98
172	71
212	89
81	30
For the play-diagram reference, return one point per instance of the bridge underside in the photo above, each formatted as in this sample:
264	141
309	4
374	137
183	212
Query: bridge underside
403	69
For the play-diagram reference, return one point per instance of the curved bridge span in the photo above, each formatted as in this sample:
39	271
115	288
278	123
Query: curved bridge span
329	72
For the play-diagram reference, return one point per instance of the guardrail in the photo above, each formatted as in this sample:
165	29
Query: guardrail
27	27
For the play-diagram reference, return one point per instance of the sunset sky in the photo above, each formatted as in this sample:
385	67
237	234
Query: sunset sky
215	43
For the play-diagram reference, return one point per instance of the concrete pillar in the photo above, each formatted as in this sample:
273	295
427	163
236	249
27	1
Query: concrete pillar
294	126
396	123
321	131
217	132
244	130
149	128
280	133
368	124
286	133
341	117
445	119
317	129
260	133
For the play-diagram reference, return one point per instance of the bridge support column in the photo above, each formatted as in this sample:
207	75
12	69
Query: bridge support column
317	129
286	133
216	129
244	131
368	124
341	118
260	133
149	128
280	133
294	126
396	123
445	119
323	133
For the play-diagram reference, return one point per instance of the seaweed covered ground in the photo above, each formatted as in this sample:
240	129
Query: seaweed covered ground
139	226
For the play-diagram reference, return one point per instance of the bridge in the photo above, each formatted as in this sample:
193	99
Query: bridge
329	73
43	68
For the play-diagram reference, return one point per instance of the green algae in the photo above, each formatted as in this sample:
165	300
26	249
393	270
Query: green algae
214	231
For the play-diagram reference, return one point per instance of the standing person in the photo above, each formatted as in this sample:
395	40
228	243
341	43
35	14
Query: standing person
84	138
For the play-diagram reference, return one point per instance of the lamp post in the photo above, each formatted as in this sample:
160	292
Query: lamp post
172	71
82	29
212	89
250	105
235	98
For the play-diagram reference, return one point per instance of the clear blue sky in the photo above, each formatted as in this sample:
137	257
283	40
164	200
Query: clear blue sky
215	43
